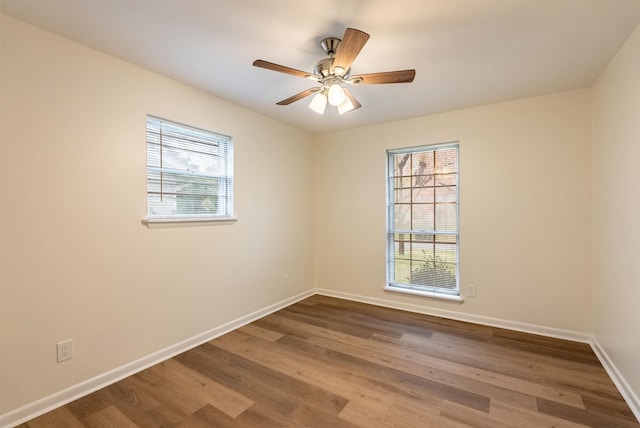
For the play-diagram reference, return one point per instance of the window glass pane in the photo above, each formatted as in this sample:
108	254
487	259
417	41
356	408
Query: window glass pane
447	253
422	163
402	215
422	217
401	166
446	217
403	247
403	196
423	194
422	237
446	179
421	251
446	160
446	194
422	181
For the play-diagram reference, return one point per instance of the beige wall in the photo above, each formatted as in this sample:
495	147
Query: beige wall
75	260
524	217
616	210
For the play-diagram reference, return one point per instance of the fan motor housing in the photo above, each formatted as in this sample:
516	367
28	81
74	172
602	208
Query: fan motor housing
324	68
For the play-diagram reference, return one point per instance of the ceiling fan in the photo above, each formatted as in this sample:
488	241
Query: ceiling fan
332	72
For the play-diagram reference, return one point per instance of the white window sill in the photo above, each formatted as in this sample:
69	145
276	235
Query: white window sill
422	293
152	222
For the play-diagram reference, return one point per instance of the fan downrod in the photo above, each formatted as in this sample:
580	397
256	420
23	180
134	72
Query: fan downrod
330	45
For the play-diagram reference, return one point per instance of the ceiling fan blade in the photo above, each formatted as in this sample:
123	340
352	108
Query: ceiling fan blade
298	97
401	76
282	69
352	43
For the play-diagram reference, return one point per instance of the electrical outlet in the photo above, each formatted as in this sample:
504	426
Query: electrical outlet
65	350
471	291
285	280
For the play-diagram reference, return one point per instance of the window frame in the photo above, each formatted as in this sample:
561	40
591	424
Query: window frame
191	218
452	294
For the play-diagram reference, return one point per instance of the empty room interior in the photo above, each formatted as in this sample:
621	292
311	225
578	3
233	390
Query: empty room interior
447	231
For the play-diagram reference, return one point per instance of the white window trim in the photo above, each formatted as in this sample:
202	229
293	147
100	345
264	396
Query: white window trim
389	285
167	221
195	220
424	293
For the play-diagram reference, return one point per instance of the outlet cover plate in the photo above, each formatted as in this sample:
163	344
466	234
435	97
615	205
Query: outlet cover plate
65	350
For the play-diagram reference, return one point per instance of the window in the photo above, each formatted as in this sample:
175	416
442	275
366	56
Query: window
189	173
422	212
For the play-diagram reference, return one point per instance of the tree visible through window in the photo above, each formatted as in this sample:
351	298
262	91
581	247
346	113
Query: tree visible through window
422	230
188	172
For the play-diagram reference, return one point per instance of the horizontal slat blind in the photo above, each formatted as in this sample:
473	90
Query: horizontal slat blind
423	232
188	171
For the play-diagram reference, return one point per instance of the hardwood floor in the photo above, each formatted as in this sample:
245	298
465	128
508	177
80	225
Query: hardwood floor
326	362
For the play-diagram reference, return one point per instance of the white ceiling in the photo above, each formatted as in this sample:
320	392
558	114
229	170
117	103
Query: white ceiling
465	52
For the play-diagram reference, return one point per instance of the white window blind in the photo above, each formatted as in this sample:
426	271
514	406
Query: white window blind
189	172
422	212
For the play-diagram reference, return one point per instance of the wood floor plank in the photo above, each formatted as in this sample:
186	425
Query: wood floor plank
424	322
385	376
539	367
169	395
428	365
308	415
135	404
402	413
261	332
208	417
358	413
395	324
345	320
109	417
302	390
447	374
497	348
233	372
329	376
519	417
412	414
61	417
87	405
208	391
567	350
326	362
259	415
499	372
351	328
586	417
473	418
612	405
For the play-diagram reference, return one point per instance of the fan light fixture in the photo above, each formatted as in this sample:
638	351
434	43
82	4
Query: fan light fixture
338	98
336	95
346	106
318	103
334	70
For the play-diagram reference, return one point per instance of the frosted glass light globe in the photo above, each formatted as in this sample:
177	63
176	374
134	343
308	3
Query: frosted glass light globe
335	95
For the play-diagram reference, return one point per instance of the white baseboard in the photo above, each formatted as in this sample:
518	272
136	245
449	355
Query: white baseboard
60	398
625	390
